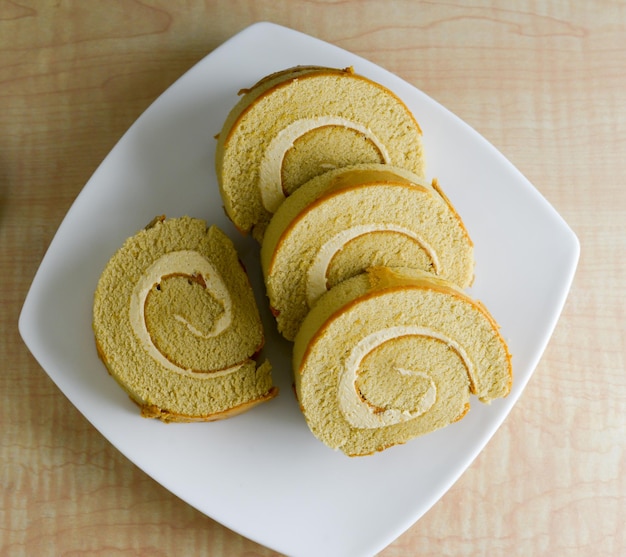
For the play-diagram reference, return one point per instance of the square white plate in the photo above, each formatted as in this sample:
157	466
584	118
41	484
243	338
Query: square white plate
263	474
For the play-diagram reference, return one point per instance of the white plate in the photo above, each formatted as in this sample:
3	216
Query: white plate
263	474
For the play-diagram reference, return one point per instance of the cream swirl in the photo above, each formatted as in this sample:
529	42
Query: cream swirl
357	411
270	181
316	283
183	262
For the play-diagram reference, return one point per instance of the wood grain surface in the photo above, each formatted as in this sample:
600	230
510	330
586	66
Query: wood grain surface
545	82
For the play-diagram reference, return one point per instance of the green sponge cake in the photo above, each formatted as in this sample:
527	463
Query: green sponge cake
338	224
391	354
177	326
303	121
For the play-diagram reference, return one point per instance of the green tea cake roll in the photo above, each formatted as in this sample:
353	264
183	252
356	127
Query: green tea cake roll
338	224
177	325
303	121
392	354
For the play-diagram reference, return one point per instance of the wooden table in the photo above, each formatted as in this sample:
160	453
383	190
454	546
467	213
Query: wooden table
545	82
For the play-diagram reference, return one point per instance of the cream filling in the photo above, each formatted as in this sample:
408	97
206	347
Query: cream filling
316	277
361	415
270	181
184	262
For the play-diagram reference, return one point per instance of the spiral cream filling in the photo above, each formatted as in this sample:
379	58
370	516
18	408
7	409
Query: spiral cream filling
270	182
362	415
316	283
184	262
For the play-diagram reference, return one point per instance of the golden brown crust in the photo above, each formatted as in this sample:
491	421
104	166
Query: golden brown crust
316	71
152	411
156	220
334	190
285	72
462	415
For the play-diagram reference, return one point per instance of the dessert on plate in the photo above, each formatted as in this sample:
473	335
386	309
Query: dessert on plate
177	326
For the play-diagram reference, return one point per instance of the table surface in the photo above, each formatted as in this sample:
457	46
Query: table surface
545	82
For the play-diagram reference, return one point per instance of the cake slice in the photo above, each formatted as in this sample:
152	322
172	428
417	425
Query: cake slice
298	123
392	354
338	224
177	326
